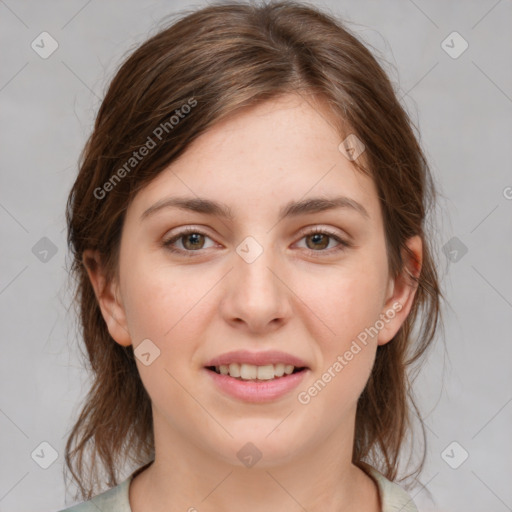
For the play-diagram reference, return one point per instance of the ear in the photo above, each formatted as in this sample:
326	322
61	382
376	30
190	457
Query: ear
401	292
106	294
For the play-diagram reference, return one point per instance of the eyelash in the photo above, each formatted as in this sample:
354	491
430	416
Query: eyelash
322	231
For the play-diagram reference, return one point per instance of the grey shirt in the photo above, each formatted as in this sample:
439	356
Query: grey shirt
392	496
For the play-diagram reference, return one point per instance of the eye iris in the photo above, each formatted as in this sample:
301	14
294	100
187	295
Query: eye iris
195	237
318	236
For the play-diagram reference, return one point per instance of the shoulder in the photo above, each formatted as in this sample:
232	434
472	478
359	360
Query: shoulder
113	500
394	498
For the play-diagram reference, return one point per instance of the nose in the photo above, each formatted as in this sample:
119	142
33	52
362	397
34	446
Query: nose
256	296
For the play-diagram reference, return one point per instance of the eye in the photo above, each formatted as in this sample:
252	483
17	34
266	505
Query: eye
318	240
191	239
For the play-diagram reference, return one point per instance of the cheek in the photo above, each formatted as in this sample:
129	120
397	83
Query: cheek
347	300
351	350
349	306
159	300
172	308
165	307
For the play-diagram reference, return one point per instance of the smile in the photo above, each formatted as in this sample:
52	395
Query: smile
249	387
246	371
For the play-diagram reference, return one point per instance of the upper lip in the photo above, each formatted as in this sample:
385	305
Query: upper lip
256	358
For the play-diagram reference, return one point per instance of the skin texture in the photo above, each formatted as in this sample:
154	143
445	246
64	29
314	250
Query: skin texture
300	296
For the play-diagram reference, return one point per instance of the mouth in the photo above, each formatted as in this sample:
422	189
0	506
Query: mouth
263	376
253	373
257	384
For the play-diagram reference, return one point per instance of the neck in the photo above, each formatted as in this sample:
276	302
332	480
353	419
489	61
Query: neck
185	477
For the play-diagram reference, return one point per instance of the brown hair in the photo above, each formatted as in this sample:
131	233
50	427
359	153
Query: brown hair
225	57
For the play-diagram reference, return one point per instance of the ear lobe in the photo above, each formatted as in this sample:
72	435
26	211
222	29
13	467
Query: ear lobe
403	290
106	294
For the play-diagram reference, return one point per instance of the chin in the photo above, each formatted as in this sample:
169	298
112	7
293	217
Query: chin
255	447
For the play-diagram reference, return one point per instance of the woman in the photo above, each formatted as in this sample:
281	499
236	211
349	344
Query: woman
248	233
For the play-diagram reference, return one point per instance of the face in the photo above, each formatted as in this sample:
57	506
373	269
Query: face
195	284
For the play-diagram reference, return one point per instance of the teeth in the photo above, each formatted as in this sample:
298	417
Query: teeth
279	370
251	372
233	370
266	372
248	371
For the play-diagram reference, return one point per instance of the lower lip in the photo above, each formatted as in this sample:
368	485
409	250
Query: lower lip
257	391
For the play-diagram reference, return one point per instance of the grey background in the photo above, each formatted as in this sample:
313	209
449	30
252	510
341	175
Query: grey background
463	109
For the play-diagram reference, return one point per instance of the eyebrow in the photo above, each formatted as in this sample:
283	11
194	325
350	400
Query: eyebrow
291	209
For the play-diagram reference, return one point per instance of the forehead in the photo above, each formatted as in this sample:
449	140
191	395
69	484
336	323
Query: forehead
263	157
